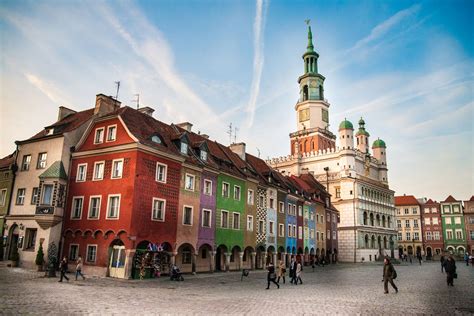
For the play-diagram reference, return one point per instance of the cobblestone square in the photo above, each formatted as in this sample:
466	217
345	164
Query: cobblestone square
337	289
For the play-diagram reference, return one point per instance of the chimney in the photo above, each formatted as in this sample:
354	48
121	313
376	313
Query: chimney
186	125
63	112
105	105
146	110
239	149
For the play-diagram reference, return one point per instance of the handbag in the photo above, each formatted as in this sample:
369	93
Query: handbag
455	275
272	276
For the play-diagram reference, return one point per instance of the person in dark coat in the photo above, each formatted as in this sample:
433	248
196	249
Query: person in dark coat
293	271
271	276
441	260
450	268
388	274
63	269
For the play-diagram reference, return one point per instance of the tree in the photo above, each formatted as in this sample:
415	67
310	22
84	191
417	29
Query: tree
52	259
40	257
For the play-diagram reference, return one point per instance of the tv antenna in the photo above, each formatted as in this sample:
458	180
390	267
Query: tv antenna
117	83
307	21
137	100
258	150
229	132
235	134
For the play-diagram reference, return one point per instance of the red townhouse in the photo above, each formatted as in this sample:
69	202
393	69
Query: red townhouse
433	243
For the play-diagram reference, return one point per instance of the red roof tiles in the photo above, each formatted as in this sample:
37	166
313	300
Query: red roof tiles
406	200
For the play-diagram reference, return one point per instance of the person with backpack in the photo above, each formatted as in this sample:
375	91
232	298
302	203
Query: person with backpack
389	274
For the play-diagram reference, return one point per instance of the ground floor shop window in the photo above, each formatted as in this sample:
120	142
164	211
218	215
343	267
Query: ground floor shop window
91	253
186	256
30	239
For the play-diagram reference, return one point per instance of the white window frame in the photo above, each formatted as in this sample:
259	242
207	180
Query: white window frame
165	172
328	234
78	178
249	221
435	219
192	214
186	181
261	223
41	164
94	171
250	197
90	207
207	181
281	230
457	220
450	231
281	207
271	228
237	187
289	230
69	253
300	210
300	232
205	210
3	197
113	169
43	191
25	162
101	140
222	219
461	234
107	139
183	148
153	208
87	253
20	198
228	189
294	231
233	221
118	206
73	204
436	235
203	155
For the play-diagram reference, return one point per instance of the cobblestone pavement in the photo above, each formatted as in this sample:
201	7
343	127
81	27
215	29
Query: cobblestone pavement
337	289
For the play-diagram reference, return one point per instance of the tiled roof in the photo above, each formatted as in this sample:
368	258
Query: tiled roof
7	161
406	200
450	199
471	199
431	202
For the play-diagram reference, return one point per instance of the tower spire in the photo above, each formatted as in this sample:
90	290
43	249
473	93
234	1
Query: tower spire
310	47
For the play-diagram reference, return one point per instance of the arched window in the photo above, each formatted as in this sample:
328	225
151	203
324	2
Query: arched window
305	93
383	220
385	242
366	241
389	224
371	219
365	218
378	219
372	242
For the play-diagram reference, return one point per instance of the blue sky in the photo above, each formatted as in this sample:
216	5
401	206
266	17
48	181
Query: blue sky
405	66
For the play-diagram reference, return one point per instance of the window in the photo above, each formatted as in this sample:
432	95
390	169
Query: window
449	234
406	211
158	210
249	222
281	230
250	197
300	232
187	215
111	133
207	187
20	196
294	210
91	253
76	211
471	233
73	252
3	197
261	227
399	223
436	235
94	207
289	231
271	228
41	163
160	175
236	192
408	236
428	235
457	220
415	223
25	163
459	234
47	194
225	189
317	236
435	221
415	210
399	236
398	211
236	221
34	196
189	182
471	219
447	220
117	167
300	211
186	259
427	210
322	236
338	192
294	231
99	170
311	234
328	218
434	210
203	155
334	234
456	208
427	221
206	218
113	206
184	148
99	136
281	207
224	219
322	218
446	209
407	223
30	239
416	236
81	172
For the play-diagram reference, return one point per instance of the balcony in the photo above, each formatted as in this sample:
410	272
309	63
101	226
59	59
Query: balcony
45	216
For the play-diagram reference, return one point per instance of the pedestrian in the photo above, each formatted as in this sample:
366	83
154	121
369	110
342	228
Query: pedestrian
63	269
299	272
79	268
410	257
389	274
466	258
450	268
312	264
420	258
271	276
281	271
293	271
442	259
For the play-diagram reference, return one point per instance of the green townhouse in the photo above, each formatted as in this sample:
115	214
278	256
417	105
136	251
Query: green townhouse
453	226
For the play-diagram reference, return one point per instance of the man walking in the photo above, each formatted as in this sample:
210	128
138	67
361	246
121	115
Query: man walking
293	271
442	263
450	268
63	269
271	276
388	275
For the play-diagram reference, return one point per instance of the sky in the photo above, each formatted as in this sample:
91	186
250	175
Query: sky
406	67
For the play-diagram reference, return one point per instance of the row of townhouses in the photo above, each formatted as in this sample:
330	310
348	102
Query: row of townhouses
433	228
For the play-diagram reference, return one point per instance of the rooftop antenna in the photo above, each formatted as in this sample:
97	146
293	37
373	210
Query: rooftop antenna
235	134
137	100
258	150
118	88
307	21
230	133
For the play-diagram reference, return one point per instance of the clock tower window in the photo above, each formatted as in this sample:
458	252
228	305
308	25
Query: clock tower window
305	93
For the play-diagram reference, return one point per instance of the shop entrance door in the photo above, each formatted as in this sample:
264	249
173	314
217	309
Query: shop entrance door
117	262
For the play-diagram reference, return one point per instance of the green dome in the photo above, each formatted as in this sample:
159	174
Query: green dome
361	121
379	144
346	125
362	131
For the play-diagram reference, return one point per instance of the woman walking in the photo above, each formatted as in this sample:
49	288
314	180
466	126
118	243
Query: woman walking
450	268
79	268
281	271
271	276
299	272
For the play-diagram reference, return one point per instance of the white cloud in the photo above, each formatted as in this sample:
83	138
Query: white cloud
49	89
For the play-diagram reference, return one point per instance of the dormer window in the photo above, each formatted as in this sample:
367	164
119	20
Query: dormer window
156	139
49	131
184	148
203	155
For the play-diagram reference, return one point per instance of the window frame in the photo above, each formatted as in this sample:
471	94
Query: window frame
153	209
233	221
78	179
3	197
41	164
190	175
250	197
101	162
237	188
90	207
222	219
224	184
107	216
101	140
34	196
280	226
113	169
25	167
207	181
43	192
281	207
87	253
22	197
28	239
69	252
165	173
109	127
184	215
206	210
74	198
250	217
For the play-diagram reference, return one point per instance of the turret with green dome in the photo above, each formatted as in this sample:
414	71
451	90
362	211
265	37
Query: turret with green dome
378	143
362	130
346	125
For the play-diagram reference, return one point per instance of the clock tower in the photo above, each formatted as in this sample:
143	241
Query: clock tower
312	109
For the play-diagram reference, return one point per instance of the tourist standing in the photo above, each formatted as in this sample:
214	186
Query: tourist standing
299	272
271	276
441	260
281	271
293	270
388	275
79	268
63	269
466	258
420	258
450	268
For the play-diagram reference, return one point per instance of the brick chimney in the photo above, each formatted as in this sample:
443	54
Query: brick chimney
185	125
105	105
63	112
146	110
239	149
